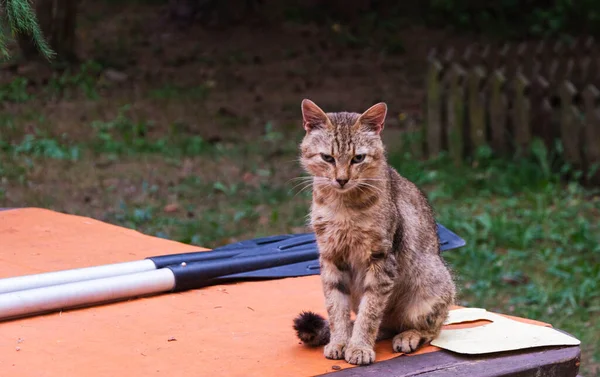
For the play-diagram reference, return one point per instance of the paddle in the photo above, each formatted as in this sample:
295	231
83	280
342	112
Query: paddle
263	258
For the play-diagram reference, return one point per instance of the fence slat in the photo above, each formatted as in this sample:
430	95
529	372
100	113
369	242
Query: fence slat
582	70
498	112
476	108
521	114
541	111
591	97
434	124
570	124
455	107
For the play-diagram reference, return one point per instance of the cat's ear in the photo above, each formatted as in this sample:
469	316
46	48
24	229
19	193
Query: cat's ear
312	116
374	118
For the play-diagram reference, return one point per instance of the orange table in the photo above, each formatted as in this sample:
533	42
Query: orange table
238	329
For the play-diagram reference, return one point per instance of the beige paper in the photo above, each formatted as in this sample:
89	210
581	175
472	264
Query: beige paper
502	334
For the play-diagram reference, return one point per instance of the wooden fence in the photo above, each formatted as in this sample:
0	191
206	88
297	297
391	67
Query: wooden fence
506	96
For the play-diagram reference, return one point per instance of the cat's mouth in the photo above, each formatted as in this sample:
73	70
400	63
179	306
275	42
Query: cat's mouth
343	188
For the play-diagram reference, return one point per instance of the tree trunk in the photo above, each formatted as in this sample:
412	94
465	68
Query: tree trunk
57	19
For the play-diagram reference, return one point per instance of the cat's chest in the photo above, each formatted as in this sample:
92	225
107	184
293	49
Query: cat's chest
339	234
342	220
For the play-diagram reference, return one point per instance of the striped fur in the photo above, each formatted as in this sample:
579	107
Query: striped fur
377	238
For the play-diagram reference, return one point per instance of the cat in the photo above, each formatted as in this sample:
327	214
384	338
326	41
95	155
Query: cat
379	250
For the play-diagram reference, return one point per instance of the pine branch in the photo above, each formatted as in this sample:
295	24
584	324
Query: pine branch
22	20
3	50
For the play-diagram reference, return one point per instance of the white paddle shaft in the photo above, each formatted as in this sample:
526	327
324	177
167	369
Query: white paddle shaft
70	295
20	283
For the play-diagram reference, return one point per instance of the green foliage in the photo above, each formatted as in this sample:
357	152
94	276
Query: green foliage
83	79
35	146
512	18
15	91
66	84
124	136
21	19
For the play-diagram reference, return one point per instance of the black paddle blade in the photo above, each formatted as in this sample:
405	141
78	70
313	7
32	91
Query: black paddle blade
297	242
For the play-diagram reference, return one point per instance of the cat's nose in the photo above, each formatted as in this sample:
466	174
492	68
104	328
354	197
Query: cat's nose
342	182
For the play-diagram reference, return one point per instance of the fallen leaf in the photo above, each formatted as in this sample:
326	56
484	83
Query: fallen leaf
114	75
170	208
515	279
248	177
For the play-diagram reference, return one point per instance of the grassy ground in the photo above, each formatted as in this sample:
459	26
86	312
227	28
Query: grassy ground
193	145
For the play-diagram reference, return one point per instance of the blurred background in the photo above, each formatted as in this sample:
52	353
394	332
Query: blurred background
181	119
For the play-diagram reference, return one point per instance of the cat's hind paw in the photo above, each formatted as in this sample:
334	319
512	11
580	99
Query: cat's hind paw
409	341
335	351
359	355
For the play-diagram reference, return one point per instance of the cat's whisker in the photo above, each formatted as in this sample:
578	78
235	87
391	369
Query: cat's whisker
295	161
298	192
377	189
302	177
367	183
302	184
374	184
371	179
309	182
360	188
301	181
302	189
364	181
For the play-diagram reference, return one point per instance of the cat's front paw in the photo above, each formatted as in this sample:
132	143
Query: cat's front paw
335	351
408	341
359	355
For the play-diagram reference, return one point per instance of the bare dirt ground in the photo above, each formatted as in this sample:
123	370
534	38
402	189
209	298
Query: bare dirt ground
253	72
224	84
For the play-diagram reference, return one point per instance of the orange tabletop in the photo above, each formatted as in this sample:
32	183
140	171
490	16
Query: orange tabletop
236	329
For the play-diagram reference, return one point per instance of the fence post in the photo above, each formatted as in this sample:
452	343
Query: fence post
477	124
591	96
498	108
570	124
455	108
541	111
433	132
521	114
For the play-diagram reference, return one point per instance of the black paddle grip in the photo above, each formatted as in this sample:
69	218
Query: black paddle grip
198	274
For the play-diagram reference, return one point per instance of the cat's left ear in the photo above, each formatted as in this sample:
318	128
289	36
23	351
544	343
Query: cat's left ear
374	118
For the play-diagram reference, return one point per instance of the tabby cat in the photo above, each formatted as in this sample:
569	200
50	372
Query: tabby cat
377	239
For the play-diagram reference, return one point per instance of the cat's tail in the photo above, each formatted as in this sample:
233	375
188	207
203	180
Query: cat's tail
312	329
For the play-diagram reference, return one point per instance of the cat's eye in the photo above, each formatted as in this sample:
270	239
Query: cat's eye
358	158
327	158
